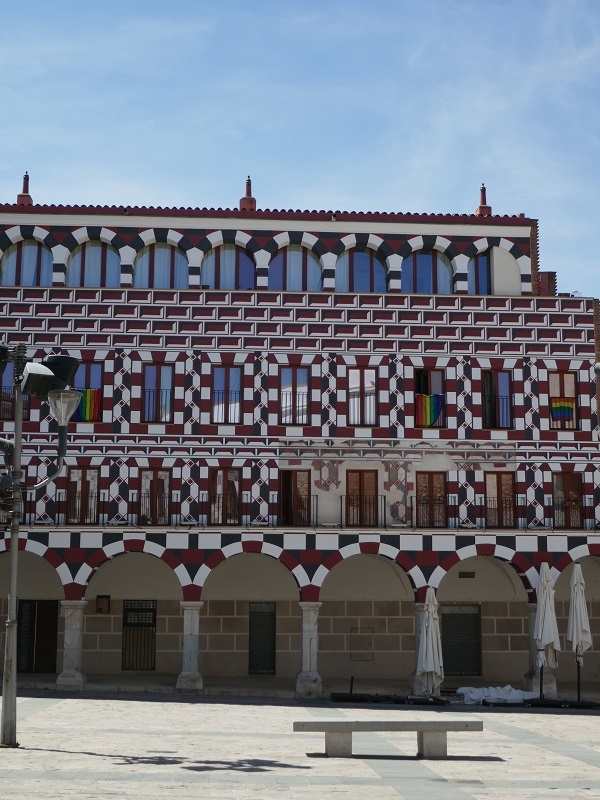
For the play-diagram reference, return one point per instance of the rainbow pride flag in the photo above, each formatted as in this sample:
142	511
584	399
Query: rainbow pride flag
89	406
428	409
562	409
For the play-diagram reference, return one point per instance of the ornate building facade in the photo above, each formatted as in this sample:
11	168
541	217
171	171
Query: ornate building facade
292	423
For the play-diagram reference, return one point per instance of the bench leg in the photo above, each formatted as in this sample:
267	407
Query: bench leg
432	745
338	745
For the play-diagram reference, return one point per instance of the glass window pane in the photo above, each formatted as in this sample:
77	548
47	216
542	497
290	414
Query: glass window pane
314	280
95	376
227	267
141	269
276	272
207	274
294	268
424	273
74	269
342	275
407	275
162	266
246	271
287	374
113	267
379	277
361	272
92	272
569	384
444	282
181	277
29	254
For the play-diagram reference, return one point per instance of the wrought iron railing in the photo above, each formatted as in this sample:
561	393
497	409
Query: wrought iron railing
363	511
226	407
204	509
294	408
158	405
297	510
497	411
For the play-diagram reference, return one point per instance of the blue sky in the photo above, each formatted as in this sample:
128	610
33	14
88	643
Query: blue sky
386	105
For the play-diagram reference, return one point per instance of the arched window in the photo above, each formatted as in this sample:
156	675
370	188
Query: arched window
161	266
94	264
360	270
478	274
426	273
295	269
27	263
227	267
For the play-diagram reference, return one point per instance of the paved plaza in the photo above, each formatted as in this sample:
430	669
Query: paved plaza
158	747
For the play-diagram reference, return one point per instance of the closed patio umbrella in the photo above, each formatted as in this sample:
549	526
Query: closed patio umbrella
578	630
545	631
430	664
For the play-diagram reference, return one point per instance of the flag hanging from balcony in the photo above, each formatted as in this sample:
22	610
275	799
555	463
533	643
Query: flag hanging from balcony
89	405
429	408
562	409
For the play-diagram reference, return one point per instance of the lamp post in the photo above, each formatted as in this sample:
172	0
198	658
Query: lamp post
46	380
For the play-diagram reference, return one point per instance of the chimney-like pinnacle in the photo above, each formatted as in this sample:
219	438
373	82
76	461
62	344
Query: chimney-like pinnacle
483	210
24	199
248	203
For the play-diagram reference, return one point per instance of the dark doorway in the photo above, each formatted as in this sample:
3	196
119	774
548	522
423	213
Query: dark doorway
261	646
36	635
139	635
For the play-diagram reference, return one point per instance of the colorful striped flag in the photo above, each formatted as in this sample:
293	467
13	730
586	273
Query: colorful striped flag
428	407
89	405
562	409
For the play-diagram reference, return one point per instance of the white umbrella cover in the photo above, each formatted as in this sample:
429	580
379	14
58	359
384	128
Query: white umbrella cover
545	631
430	663
578	631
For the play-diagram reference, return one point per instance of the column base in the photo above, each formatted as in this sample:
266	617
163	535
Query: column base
309	686
190	683
532	683
71	680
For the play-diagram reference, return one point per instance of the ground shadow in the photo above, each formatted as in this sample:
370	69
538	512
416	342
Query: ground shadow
233	765
404	757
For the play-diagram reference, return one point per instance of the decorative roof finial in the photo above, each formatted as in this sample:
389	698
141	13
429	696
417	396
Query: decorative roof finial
248	203
24	199
483	209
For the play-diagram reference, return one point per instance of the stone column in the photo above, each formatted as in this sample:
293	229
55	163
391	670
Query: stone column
532	677
190	679
71	677
308	680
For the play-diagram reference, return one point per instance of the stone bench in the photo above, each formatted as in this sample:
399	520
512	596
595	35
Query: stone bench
432	734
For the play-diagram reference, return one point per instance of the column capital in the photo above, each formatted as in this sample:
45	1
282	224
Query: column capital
66	604
191	605
309	605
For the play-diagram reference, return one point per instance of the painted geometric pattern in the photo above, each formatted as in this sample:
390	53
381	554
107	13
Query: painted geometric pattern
424	557
200	321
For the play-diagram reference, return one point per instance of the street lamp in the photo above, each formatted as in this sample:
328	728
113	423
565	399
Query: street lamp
46	380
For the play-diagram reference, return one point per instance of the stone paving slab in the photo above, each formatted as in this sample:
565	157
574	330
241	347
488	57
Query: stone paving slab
156	747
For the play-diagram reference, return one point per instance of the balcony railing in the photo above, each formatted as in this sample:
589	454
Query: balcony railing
294	408
363	511
226	407
362	409
297	510
497	411
354	511
158	405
